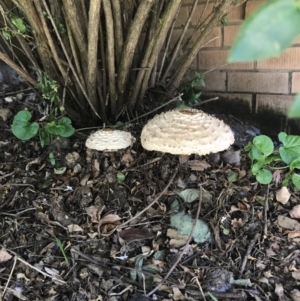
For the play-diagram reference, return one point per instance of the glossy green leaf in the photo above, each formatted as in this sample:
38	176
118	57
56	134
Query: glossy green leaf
267	32
256	167
295	164
296	180
264	144
62	128
264	176
291	147
294	111
22	128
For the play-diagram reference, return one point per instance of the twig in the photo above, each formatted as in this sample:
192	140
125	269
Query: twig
266	209
33	267
10	274
251	246
184	249
18	213
208	100
165	104
200	288
151	204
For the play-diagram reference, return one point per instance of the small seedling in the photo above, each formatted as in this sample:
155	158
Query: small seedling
52	159
266	159
120	177
61	248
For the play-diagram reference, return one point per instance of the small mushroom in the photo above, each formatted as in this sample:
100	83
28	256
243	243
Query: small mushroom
186	131
109	140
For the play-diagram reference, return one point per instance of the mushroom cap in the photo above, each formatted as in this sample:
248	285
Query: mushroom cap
186	131
109	140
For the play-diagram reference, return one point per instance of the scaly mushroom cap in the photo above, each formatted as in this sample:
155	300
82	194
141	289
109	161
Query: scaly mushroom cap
185	132
109	140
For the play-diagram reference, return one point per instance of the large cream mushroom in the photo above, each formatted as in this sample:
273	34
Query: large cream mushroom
186	131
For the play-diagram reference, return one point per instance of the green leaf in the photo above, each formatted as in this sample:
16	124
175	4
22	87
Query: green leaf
248	147
264	176
68	128
295	164
120	177
189	195
257	166
267	32
256	154
294	111
18	22
62	128
232	176
291	147
22	128
296	180
264	144
52	158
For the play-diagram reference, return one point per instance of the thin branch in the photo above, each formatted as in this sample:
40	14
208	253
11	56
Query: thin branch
118	30
93	32
130	45
152	52
179	42
110	55
167	20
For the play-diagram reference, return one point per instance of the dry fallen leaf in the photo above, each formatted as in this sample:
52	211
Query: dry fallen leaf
177	295
74	228
279	291
296	275
287	223
293	234
283	195
4	255
295	295
295	212
131	234
198	165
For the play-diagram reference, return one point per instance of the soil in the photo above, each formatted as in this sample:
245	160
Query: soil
100	230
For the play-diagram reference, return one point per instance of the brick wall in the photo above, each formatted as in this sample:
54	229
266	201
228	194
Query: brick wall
267	85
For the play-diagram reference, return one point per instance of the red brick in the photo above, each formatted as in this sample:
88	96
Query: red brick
214	39
289	60
236	14
217	59
279	104
215	81
176	35
251	6
258	82
182	16
200	10
230	32
296	82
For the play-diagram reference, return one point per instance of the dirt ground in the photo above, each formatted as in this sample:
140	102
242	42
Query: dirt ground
100	229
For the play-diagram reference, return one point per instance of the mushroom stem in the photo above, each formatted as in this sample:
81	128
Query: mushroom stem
183	158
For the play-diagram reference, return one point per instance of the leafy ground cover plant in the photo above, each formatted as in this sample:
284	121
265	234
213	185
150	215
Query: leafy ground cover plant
270	30
266	159
55	125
